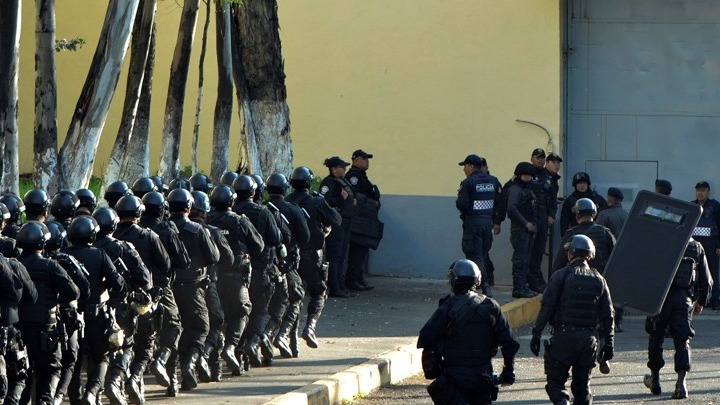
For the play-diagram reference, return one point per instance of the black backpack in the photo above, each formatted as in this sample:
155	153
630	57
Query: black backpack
502	203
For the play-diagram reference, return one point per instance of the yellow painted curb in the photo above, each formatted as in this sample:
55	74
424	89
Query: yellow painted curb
522	311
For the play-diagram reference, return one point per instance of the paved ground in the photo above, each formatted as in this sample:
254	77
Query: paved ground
622	386
352	331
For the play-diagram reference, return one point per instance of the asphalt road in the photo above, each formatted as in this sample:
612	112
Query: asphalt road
622	386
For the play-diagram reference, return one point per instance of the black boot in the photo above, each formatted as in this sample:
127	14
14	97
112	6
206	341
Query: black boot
282	340
215	366
680	386
203	367
266	348
228	354
189	380
113	387
90	396
652	381
252	350
158	367
134	385
308	332
295	341
172	390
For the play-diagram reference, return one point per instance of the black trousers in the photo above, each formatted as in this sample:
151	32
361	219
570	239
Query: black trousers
521	241
570	351
476	242
69	357
537	254
43	349
279	301
235	299
216	315
314	273
713	261
162	327
336	249
94	346
296	293
676	313
357	254
190	299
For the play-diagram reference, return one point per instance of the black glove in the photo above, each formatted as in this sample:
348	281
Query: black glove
535	343
507	377
607	352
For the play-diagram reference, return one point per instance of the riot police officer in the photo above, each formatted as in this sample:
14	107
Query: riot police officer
189	286
11	291
86	201
707	232
143	186
201	182
115	191
581	184
8	246
153	253
576	299
63	207
543	186
476	202
138	279
521	211
688	294
460	339
38	321
259	188
228	178
234	280
210	358
261	287
313	269
16	207
36	205
102	277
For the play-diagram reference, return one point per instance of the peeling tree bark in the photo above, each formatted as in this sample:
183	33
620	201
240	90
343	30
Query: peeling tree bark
261	57
78	152
224	101
201	80
45	139
170	151
10	11
141	33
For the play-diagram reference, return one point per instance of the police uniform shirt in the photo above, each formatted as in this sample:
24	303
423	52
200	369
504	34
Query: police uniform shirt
521	203
478	195
319	215
241	235
296	221
567	216
602	238
360	184
544	185
709	223
151	250
331	189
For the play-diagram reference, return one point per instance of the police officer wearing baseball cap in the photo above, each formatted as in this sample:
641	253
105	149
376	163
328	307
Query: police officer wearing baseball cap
614	215
477	202
707	232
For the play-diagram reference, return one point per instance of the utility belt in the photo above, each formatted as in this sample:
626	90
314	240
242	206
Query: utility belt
574	328
465	357
94	311
203	282
51	337
15	352
72	320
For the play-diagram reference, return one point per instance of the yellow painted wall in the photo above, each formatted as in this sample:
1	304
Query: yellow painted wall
418	83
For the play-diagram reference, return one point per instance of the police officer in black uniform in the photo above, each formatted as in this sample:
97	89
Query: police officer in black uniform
581	184
362	188
16	207
86	201
201	182
98	319
36	205
11	292
8	246
285	308
707	232
476	202
543	185
138	279
261	287
313	269
143	186
338	193
39	321
460	340
189	286
63	207
211	356
234	280
228	178
576	299
165	320
115	191
521	211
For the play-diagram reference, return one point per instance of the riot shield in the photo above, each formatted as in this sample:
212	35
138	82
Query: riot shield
641	268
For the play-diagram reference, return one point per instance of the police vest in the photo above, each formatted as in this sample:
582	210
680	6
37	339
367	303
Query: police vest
189	235
482	196
44	310
706	226
582	289
542	186
469	340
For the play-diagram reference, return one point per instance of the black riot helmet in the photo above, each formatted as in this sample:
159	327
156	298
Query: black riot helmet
143	186
36	201
464	275
160	184
222	197
155	204
32	236
115	191
107	219
64	204
228	178
15	205
4	212
580	177
83	230
260	186
301	178
581	246
129	207
180	200
87	199
57	236
201	201
244	187
201	182
180	183
277	183
584	206
524	168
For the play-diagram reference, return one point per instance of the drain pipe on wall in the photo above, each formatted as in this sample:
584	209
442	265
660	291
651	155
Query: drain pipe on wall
549	142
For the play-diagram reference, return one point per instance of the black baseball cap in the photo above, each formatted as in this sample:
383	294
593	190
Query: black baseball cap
361	153
472	159
335	161
663	186
702	184
615	193
554	156
538	152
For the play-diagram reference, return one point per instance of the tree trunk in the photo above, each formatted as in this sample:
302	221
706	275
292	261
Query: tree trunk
201	79
10	11
224	102
45	142
261	57
78	152
137	158
170	151
248	143
142	30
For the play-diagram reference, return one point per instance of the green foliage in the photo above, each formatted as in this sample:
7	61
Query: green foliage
26	184
186	172
72	44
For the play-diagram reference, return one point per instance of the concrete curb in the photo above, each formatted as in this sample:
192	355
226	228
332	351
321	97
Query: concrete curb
388	368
